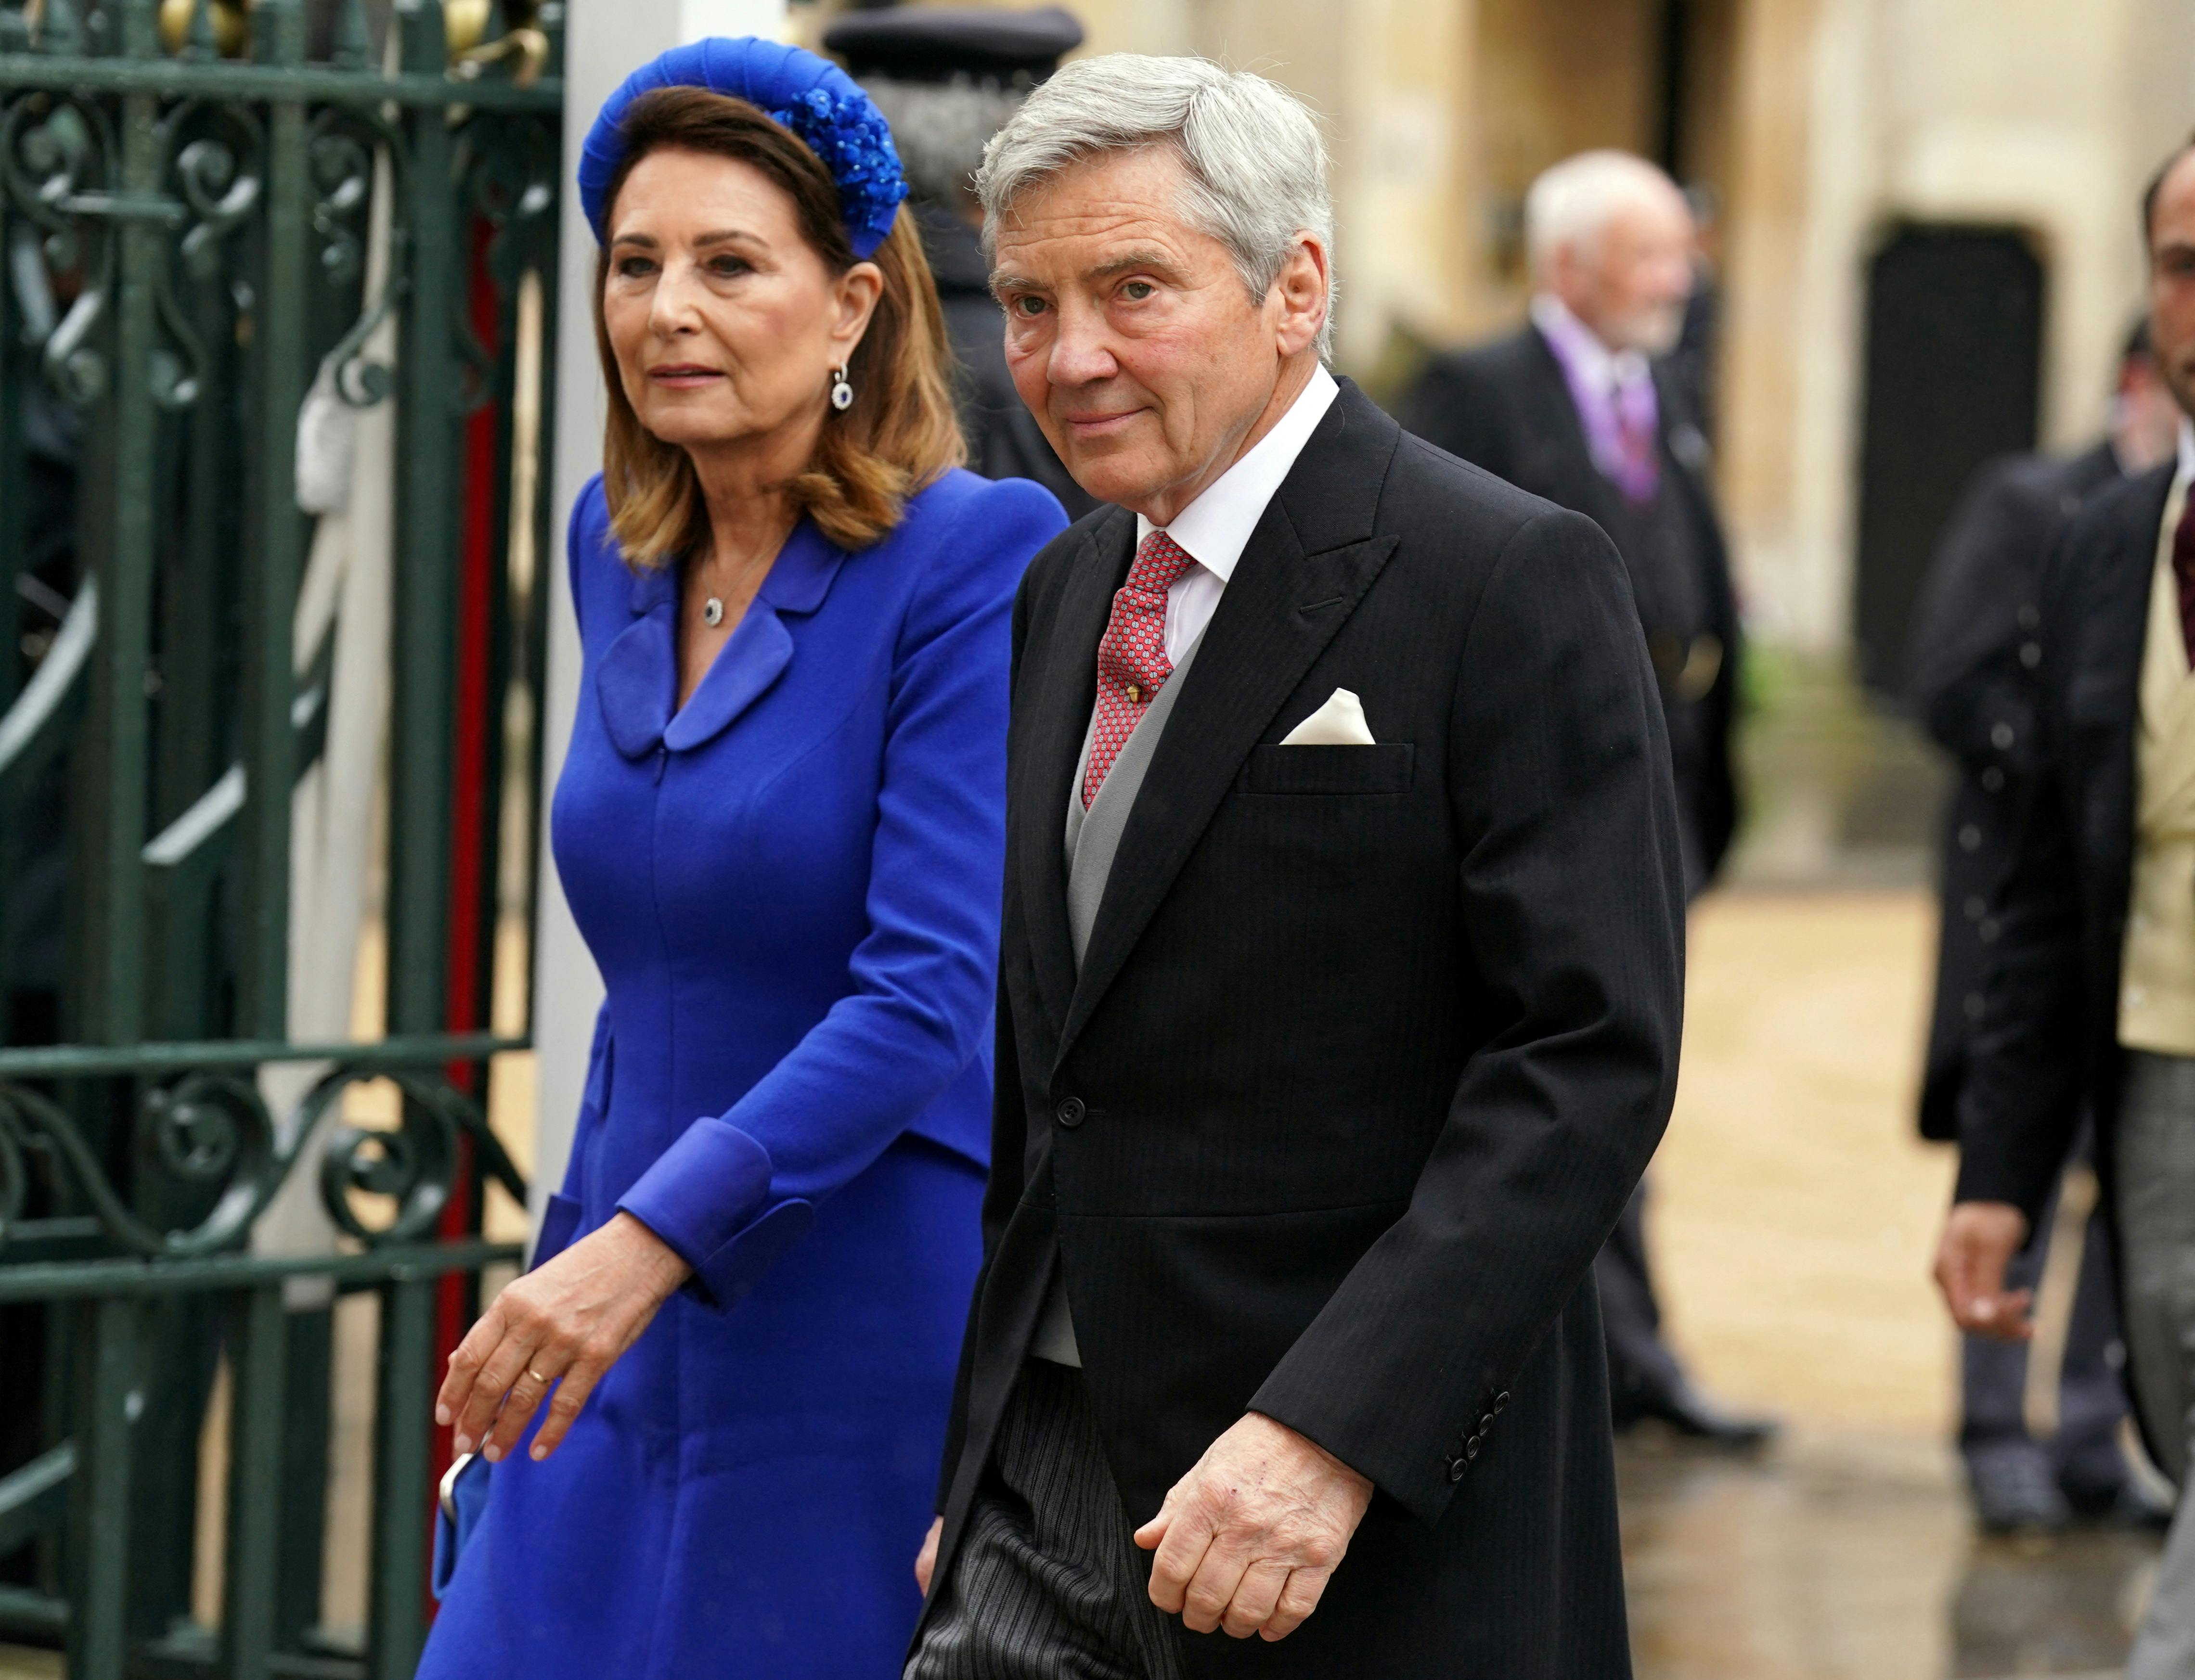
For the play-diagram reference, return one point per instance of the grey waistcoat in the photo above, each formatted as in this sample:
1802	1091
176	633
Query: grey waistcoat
1092	837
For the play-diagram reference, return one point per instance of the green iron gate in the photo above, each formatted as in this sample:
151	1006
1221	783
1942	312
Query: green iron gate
207	211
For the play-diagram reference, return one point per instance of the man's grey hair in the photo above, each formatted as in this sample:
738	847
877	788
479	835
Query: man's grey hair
1252	150
1571	204
940	129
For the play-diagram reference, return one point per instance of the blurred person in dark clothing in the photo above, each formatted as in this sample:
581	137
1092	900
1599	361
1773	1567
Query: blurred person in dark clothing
946	79
1975	644
1584	407
1693	362
2089	1000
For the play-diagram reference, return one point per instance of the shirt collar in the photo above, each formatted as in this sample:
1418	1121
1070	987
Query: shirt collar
1579	345
2187	447
1215	528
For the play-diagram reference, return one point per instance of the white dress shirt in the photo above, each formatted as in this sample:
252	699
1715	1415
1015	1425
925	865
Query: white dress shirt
1215	528
1610	370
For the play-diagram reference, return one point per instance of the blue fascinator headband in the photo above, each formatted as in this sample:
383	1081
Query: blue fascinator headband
810	96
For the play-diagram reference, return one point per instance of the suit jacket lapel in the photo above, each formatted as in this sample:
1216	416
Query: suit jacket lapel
1308	565
2110	649
1557	421
2100	697
1681	445
1064	676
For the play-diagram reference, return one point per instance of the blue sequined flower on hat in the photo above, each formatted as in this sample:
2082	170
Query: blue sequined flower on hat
810	96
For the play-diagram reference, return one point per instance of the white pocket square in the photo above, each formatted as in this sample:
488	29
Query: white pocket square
1338	722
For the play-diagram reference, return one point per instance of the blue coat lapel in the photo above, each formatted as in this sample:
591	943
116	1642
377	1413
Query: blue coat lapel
638	682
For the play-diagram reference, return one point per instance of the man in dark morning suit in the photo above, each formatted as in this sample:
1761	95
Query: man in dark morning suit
1974	643
2090	1000
1582	407
1341	982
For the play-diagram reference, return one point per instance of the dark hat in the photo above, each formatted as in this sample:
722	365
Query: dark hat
934	43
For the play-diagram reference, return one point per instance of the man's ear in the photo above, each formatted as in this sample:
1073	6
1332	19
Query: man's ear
1304	287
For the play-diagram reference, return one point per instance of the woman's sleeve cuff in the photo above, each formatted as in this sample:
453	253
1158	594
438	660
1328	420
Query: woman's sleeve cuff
708	1197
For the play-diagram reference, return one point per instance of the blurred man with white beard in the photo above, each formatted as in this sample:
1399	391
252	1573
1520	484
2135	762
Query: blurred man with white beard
1581	406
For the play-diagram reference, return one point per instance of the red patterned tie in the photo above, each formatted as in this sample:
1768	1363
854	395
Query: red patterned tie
2183	573
1132	661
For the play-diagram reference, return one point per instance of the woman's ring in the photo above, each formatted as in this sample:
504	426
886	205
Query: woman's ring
537	1377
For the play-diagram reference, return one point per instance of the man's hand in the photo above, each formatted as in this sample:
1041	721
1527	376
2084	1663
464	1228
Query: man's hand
1247	1540
926	1561
1979	1241
568	1321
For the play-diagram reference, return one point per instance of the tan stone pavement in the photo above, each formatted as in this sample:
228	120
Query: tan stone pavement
1796	1211
1795	1206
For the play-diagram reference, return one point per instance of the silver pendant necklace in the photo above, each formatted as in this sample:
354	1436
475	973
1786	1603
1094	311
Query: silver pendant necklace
713	611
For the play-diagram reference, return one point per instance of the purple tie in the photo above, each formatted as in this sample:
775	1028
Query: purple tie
1638	419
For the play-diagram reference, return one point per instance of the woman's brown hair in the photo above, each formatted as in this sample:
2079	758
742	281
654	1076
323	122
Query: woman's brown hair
901	432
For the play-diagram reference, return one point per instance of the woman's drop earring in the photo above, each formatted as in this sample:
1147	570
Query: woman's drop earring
842	394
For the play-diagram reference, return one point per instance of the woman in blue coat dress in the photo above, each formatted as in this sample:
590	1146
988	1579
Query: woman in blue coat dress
780	830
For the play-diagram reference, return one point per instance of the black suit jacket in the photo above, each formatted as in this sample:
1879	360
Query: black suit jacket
1507	406
1976	640
2048	1035
1368	1048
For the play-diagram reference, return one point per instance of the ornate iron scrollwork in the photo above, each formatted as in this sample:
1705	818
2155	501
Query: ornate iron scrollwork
413	1165
57	161
219	180
344	145
508	182
212	1131
55	150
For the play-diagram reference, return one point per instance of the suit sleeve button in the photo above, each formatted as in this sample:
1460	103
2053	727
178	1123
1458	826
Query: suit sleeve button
1070	1113
1456	1468
1486	1422
1502	1401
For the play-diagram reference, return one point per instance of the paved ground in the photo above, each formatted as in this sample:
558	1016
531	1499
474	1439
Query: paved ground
1795	1215
1795	1206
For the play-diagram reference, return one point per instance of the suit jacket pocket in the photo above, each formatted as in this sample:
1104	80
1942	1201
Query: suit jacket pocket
1385	768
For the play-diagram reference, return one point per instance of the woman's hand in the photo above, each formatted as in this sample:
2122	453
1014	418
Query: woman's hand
570	1319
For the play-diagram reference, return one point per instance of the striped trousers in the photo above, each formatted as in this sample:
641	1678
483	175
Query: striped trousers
1046	1584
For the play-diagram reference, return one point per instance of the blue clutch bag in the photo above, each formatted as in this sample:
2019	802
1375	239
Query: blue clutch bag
463	1503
